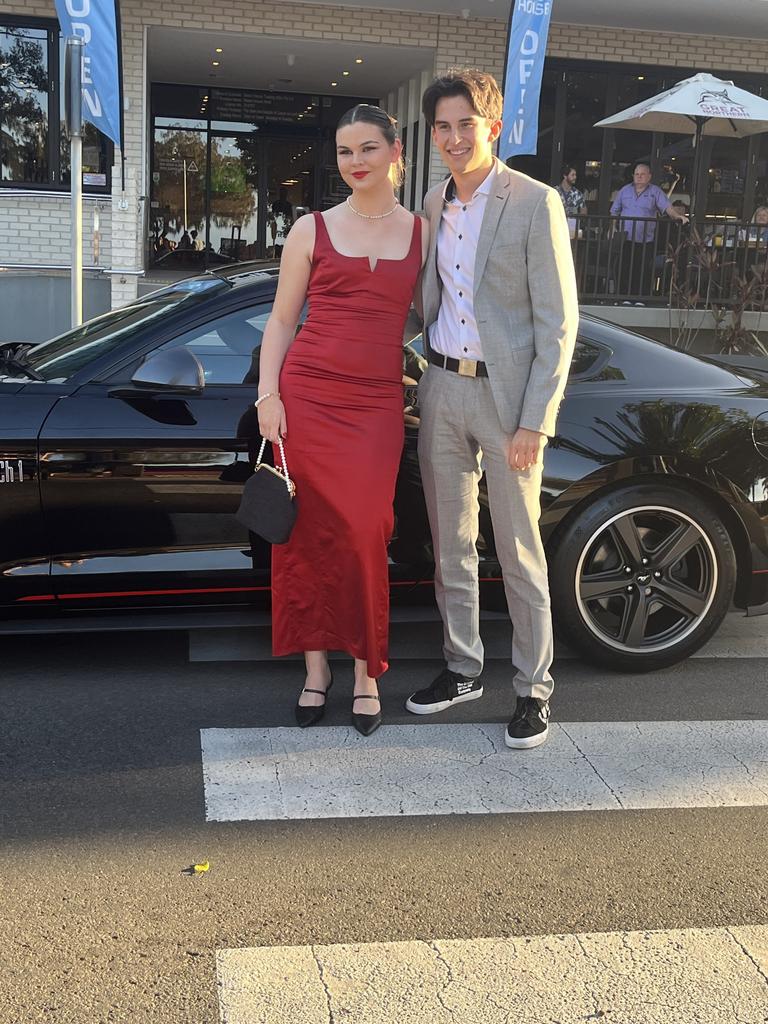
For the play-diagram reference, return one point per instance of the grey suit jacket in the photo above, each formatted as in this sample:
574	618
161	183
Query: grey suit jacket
524	296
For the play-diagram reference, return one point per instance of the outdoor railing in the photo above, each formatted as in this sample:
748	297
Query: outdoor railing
682	265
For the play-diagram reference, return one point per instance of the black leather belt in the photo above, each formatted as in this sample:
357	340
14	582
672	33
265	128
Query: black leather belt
464	367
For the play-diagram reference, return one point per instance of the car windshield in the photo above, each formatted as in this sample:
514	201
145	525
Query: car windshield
57	360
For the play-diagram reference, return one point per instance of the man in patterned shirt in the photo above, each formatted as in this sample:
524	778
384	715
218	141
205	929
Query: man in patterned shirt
572	197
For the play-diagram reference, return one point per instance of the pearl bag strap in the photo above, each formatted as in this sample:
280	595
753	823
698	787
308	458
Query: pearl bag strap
288	481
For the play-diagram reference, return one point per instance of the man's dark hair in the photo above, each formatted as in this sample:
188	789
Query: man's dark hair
566	169
480	89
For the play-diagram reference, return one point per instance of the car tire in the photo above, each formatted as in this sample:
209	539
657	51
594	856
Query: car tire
620	611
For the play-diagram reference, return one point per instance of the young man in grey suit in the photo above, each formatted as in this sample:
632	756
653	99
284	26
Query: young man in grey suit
500	320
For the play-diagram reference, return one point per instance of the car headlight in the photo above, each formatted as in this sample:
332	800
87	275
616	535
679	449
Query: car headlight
760	434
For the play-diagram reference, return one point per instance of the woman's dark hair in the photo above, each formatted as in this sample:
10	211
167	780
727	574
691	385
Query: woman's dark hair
387	125
566	169
480	89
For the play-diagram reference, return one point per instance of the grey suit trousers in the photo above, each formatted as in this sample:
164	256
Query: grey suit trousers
460	436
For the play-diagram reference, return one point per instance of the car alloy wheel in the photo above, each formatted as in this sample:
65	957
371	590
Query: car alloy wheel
642	576
646	579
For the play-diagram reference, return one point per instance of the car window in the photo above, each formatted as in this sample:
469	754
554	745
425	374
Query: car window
60	358
585	356
226	346
592	362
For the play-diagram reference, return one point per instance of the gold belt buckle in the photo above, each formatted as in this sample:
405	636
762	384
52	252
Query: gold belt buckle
467	368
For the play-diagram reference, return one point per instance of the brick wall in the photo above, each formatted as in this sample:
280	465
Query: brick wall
35	229
43	224
673	49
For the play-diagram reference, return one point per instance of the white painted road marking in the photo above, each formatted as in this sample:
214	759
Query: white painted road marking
710	976
332	772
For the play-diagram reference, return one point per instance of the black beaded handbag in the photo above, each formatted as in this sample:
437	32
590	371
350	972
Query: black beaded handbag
268	504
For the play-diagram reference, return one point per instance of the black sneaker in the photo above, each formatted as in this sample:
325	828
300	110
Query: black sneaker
448	689
530	724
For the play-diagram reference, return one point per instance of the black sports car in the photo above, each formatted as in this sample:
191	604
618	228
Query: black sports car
124	446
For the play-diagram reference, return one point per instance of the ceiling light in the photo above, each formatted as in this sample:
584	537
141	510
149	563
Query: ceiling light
334	83
345	73
215	63
219	49
358	60
641	78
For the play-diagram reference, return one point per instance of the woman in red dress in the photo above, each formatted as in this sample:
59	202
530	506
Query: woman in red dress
334	393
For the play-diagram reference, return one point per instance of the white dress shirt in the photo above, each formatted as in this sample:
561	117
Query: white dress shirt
455	331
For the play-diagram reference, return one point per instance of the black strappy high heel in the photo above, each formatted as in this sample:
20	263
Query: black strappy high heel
310	715
366	724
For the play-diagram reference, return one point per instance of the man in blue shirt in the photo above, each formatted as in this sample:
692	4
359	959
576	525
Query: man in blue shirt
640	199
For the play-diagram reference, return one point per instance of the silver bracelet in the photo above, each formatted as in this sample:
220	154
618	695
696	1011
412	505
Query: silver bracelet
269	394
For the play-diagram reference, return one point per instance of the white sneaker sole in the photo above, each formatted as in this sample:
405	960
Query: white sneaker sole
526	744
442	705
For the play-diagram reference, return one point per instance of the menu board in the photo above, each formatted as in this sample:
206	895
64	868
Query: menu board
263	107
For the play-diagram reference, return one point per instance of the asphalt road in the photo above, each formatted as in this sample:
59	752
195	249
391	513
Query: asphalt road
103	807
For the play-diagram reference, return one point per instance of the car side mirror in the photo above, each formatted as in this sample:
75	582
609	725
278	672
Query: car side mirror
175	369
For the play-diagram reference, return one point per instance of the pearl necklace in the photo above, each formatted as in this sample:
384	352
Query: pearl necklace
372	216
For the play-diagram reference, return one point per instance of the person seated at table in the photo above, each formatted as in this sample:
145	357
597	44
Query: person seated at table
757	230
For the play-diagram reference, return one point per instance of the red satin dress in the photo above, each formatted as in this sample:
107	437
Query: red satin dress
341	384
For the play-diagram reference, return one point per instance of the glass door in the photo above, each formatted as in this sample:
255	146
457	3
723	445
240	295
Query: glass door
224	198
178	219
233	233
290	186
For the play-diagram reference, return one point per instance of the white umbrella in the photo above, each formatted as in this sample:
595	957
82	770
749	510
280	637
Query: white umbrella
701	105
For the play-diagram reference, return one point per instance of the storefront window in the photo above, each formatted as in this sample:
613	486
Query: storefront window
677	167
290	172
24	105
97	155
235	197
727	177
178	216
631	146
540	165
583	143
228	190
34	148
761	184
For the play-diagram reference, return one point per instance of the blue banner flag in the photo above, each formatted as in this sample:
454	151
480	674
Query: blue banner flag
526	46
97	23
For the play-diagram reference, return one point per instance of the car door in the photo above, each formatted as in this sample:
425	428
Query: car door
141	485
24	561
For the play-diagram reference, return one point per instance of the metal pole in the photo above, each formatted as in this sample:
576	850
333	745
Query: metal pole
185	195
696	172
74	122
